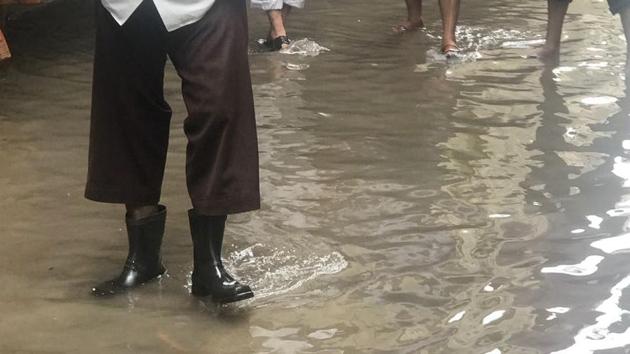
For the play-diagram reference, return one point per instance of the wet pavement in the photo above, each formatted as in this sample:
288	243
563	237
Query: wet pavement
410	205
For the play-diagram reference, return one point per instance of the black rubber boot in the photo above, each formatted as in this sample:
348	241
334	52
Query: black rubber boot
143	262
209	277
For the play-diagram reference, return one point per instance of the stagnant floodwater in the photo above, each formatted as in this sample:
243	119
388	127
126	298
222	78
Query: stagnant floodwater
410	205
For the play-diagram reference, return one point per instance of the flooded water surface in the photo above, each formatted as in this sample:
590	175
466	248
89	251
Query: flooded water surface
410	205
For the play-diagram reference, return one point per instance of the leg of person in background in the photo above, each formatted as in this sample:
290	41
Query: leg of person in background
557	10
5	53
277	12
625	20
414	17
277	38
450	13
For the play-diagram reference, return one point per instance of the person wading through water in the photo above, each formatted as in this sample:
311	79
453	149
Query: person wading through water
206	41
557	10
277	11
449	10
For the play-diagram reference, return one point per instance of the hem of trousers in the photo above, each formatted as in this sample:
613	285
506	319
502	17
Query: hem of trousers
118	196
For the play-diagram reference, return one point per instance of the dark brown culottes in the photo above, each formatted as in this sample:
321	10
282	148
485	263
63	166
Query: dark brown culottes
130	118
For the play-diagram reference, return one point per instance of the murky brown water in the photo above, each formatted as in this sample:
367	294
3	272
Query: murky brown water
410	206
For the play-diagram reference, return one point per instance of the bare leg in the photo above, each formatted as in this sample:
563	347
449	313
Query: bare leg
450	14
5	53
138	212
557	10
276	23
625	20
414	17
277	38
277	20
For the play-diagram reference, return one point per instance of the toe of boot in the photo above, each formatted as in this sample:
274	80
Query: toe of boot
238	293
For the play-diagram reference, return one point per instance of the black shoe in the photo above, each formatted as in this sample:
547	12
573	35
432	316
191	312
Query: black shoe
277	43
209	277
143	262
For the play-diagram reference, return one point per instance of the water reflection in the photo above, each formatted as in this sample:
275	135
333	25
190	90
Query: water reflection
378	212
605	332
485	160
572	186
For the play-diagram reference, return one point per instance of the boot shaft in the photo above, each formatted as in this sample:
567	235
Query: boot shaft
209	277
143	261
207	236
145	237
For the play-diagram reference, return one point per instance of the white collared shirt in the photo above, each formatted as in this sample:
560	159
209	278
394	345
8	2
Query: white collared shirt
174	13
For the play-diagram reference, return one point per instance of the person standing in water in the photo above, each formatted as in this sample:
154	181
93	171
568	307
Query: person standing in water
449	10
206	41
556	12
277	12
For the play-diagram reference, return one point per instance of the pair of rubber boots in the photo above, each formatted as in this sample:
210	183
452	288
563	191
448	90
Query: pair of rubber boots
144	262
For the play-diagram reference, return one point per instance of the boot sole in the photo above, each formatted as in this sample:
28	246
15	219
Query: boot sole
100	293
238	297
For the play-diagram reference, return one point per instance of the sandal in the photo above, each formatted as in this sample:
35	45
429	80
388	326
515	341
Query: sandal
278	43
451	51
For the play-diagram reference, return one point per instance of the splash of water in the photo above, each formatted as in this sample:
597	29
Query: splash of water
272	272
279	271
434	56
473	40
304	47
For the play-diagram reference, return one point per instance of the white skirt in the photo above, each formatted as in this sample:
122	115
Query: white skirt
276	4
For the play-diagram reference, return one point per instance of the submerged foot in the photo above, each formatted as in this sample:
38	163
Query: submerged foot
450	50
408	25
278	43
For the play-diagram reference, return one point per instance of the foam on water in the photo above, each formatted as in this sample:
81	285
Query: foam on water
279	271
434	56
271	272
523	44
473	40
304	47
